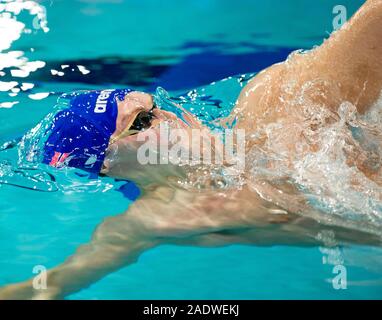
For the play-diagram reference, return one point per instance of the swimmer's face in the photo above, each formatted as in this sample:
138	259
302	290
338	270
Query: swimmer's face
139	106
127	158
134	103
122	158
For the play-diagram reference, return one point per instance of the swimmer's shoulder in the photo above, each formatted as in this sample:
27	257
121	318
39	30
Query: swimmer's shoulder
263	78
256	97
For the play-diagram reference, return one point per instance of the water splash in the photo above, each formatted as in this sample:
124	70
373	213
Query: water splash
14	63
317	170
307	171
212	105
316	161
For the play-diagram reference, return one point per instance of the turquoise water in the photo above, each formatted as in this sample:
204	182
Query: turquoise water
134	43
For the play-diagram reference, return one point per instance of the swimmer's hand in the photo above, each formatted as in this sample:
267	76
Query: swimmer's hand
25	291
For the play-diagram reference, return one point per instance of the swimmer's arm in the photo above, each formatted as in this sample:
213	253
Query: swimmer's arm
165	216
346	67
352	56
110	249
160	216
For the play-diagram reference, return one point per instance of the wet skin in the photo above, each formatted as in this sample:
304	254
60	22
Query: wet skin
168	214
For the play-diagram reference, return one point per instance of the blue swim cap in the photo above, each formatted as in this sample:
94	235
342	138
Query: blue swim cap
80	134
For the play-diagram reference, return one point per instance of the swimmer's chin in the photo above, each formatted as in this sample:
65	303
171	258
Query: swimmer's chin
145	175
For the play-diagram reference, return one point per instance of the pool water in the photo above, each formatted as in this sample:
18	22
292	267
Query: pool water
179	45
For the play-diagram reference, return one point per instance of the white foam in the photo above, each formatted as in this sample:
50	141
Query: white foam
39	96
83	70
57	73
6	86
27	86
333	158
11	30
19	73
8	105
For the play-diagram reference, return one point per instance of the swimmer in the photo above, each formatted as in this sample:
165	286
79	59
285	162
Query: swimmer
345	68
